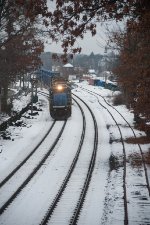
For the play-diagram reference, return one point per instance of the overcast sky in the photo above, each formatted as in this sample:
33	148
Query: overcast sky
89	44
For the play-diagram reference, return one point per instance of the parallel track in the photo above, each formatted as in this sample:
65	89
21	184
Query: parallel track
9	176
84	190
124	151
139	146
32	174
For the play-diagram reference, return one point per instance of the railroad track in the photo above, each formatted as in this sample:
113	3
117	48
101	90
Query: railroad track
64	192
7	182
84	189
31	175
64	184
106	107
10	175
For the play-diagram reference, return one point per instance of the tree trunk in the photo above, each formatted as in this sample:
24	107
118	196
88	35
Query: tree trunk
23	82
4	106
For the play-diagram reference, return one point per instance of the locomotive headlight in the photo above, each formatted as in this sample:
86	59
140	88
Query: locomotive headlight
59	87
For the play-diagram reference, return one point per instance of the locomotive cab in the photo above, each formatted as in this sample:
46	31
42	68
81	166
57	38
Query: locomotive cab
60	99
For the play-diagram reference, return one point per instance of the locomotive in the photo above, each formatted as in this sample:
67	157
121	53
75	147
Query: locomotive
60	98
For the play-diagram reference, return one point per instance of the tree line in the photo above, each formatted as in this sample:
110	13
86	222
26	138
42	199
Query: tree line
20	45
133	70
70	20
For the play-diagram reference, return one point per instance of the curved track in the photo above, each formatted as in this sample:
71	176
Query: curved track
9	176
5	184
88	170
141	152
124	150
57	199
66	185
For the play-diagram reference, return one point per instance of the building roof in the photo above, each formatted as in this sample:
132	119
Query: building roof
91	71
68	65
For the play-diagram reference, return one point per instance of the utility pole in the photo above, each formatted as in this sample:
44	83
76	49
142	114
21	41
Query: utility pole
0	97
34	97
31	97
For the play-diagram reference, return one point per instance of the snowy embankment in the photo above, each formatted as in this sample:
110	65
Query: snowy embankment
18	103
137	191
104	200
23	138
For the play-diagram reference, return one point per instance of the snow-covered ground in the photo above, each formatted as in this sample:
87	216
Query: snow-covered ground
104	201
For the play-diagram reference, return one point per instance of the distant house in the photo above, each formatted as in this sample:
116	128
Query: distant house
68	70
68	65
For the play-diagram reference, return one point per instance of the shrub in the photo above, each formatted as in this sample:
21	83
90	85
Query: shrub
119	99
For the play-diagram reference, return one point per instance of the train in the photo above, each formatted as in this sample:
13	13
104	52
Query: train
60	98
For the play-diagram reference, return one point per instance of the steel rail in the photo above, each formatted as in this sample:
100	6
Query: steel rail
32	174
9	176
84	190
71	169
124	161
141	152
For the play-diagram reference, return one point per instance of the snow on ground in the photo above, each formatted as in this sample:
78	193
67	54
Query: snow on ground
137	193
21	102
25	137
104	201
